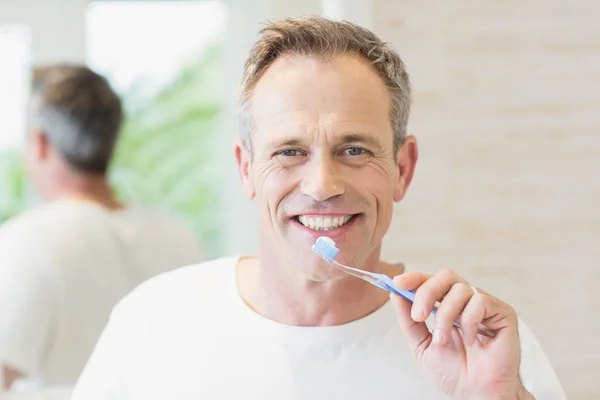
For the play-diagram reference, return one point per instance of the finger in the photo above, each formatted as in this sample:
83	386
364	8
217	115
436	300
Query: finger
487	310
450	310
472	315
456	339
432	290
416	333
410	280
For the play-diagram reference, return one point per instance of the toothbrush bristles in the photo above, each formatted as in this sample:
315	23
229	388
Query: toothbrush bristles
325	248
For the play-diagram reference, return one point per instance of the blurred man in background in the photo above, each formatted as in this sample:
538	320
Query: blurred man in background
66	263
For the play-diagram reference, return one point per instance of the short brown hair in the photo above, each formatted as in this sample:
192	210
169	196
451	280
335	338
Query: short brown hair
78	112
323	38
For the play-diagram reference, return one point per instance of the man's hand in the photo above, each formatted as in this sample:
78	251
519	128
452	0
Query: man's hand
462	364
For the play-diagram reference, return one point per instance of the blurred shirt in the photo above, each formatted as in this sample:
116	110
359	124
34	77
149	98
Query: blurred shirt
63	267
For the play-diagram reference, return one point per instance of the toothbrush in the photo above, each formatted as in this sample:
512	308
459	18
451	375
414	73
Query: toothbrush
325	248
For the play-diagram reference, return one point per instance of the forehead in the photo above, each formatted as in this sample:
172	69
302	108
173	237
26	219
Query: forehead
300	94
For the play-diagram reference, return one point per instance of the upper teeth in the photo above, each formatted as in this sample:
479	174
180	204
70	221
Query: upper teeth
324	223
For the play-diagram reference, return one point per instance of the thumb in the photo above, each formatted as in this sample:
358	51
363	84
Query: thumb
416	333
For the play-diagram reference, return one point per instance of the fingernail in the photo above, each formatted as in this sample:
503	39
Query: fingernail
438	336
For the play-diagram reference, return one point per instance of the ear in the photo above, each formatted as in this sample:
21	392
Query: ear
40	146
406	159
244	162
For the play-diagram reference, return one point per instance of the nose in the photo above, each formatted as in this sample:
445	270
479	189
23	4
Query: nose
322	179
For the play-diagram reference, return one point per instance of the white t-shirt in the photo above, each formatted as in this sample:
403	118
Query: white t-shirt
63	267
188	335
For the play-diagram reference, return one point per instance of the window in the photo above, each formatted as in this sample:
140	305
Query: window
149	41
14	81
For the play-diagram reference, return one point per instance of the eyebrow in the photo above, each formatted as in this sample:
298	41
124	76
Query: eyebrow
347	137
291	142
361	137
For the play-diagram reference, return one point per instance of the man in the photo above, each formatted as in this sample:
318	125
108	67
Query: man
324	151
66	263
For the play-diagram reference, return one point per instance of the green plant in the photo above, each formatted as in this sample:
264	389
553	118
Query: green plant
166	158
14	196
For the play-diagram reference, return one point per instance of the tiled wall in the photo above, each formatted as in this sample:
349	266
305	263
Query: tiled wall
507	188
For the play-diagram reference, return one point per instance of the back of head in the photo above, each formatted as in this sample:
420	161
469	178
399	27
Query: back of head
325	39
79	114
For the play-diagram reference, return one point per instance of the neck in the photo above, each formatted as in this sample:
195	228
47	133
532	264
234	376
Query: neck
286	296
87	187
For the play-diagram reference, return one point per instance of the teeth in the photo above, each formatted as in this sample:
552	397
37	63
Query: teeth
318	223
324	223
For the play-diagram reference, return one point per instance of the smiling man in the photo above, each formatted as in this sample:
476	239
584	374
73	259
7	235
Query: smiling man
324	151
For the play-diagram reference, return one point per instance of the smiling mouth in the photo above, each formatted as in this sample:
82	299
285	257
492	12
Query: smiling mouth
325	222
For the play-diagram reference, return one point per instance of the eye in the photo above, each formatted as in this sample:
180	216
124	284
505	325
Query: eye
290	153
290	157
355	151
355	155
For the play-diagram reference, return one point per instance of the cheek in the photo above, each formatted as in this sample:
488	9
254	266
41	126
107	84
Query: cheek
273	184
384	194
377	184
379	181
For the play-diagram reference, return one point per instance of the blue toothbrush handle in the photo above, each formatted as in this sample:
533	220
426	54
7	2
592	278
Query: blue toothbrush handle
387	283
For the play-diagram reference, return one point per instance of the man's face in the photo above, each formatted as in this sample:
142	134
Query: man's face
323	162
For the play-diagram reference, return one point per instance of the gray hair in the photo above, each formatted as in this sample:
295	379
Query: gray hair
323	38
79	114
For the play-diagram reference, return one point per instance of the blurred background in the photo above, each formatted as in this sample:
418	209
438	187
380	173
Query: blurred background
506	113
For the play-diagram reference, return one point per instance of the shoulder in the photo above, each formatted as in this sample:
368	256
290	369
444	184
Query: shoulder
537	372
26	222
34	237
46	221
25	240
161	222
156	216
188	286
172	233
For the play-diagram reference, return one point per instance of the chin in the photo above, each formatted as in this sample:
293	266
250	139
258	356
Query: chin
309	265
324	273
298	239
